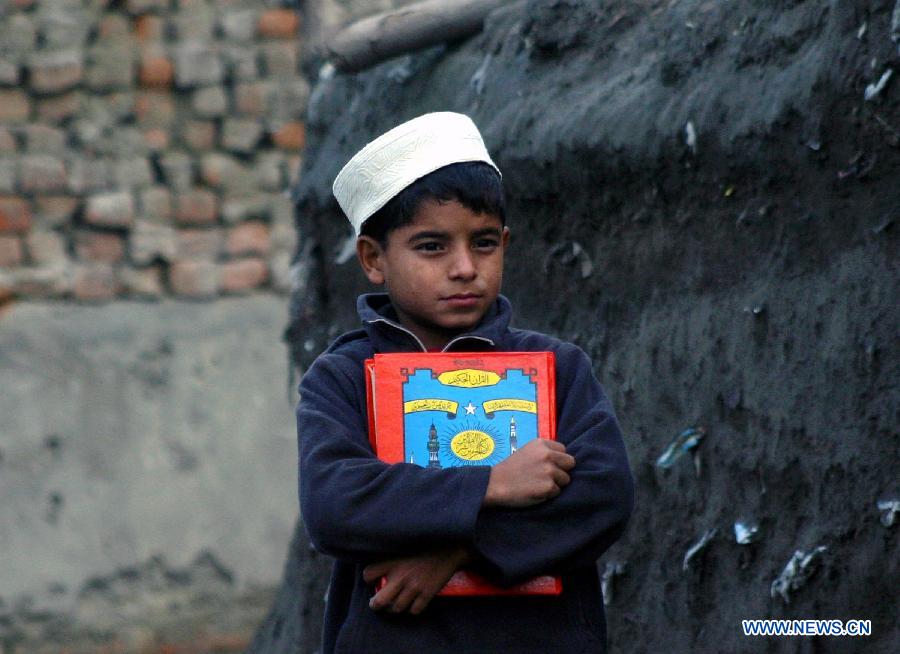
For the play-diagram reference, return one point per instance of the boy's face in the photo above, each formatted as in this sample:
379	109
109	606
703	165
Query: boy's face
443	271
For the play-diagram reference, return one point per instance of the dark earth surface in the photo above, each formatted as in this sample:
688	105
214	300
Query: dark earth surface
744	280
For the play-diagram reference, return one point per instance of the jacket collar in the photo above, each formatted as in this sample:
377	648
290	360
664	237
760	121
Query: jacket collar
388	335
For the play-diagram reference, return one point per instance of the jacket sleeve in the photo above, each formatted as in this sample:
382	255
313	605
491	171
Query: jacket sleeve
589	515
356	507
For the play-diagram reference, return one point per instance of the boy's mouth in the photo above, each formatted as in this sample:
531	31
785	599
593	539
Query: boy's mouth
463	299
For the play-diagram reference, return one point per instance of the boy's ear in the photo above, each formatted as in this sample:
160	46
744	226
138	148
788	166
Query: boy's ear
369	253
504	237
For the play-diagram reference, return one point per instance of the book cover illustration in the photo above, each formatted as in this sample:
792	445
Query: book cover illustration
440	410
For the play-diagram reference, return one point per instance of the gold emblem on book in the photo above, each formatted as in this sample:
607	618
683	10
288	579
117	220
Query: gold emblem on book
472	445
469	378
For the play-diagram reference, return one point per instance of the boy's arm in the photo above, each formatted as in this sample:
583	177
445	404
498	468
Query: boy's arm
356	507
590	513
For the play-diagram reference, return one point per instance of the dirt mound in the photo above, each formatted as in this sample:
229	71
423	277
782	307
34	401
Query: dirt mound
704	196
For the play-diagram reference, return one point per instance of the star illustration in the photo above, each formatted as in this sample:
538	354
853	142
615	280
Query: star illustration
470	409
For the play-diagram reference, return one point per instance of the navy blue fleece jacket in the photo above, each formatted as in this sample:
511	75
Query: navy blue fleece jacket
360	510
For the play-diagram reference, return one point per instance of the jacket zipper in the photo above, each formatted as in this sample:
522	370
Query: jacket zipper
420	344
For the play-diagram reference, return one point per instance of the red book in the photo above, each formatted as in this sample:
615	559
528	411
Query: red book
447	409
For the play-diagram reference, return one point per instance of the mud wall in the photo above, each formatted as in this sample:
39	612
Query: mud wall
704	196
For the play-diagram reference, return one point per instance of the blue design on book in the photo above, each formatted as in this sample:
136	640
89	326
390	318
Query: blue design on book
458	426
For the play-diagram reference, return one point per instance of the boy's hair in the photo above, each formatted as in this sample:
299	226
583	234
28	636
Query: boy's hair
474	184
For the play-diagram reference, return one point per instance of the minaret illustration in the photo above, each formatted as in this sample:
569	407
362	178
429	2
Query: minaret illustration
433	447
513	442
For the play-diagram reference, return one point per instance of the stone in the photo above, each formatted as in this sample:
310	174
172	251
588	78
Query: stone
137	7
111	67
43	282
113	27
210	102
196	207
178	170
238	25
241	136
104	247
156	69
45	248
290	136
283	237
8	141
114	209
287	100
55	210
242	62
250	98
43	139
196	24
9	72
142	283
42	173
87	175
11	251
19	34
150	241
270	168
249	238
225	172
278	24
294	165
281	209
194	279
15	214
94	282
54	72
280	272
197	65
199	135
7	175
156	204
15	107
63	28
242	207
154	108
133	172
243	275
199	243
281	58
59	108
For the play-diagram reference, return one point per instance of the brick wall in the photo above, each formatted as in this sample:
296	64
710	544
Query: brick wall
146	147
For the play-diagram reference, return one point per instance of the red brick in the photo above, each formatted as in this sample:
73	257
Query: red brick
194	279
250	98
101	247
95	283
290	136
278	24
249	238
199	243
197	207
156	139
14	106
156	70
10	251
7	141
149	28
15	215
243	275
113	26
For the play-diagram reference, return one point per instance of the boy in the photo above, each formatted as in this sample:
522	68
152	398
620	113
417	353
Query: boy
428	209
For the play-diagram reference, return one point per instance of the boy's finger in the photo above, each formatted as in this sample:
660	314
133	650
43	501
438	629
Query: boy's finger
563	460
373	572
561	478
552	445
420	604
404	600
384	597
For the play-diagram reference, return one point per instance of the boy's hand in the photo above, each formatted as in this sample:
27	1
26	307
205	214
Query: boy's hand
534	474
413	581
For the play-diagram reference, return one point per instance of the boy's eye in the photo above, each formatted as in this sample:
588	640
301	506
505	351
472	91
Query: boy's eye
486	243
429	246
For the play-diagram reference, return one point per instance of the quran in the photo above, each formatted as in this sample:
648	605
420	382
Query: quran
448	409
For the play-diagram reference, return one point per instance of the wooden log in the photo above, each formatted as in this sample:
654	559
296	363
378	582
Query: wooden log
423	24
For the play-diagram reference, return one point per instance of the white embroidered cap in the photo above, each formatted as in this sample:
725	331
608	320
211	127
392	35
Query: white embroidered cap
402	155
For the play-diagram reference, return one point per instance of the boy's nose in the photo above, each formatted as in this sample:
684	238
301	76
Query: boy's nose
463	265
